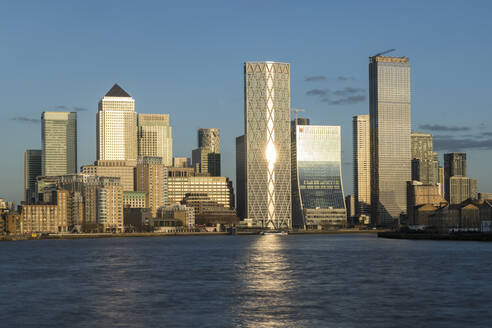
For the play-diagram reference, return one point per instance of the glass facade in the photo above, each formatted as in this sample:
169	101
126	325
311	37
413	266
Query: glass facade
389	102
318	173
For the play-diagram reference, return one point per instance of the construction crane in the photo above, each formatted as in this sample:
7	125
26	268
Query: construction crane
297	111
384	52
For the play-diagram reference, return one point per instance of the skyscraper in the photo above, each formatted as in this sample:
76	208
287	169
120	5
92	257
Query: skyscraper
151	177
362	165
206	158
59	142
117	126
454	165
425	166
389	102
317	189
32	169
267	150
155	137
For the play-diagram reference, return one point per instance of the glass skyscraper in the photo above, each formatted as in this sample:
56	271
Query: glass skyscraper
266	195
59	140
206	158
362	166
389	102
318	199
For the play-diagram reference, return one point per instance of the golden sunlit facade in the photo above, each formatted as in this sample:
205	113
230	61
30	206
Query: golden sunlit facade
267	151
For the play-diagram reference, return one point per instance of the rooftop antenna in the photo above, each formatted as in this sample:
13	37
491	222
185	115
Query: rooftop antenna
297	111
384	52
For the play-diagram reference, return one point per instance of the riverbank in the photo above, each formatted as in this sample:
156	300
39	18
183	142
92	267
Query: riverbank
434	236
167	234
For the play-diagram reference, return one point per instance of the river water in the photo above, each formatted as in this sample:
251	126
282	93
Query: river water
246	281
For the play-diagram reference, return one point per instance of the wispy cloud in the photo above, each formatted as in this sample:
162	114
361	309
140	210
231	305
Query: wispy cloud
61	107
80	109
25	119
438	127
345	78
488	134
446	143
315	78
344	96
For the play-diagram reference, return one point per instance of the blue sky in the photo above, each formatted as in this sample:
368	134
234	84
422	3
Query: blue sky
185	58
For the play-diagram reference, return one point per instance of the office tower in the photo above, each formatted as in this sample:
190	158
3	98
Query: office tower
206	158
441	181
425	166
181	162
389	102
209	138
462	188
350	205
32	169
59	142
117	126
267	144
241	198
155	137
151	178
317	190
362	165
454	165
124	170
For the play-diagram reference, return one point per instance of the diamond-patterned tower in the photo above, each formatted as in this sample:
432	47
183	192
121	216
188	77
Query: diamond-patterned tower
267	144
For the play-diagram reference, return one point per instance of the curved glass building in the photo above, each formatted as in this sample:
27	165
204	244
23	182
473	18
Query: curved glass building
317	193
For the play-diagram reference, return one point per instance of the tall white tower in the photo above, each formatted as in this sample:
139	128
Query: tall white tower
267	140
117	126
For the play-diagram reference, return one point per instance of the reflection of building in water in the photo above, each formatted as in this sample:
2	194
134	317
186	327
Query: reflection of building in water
317	192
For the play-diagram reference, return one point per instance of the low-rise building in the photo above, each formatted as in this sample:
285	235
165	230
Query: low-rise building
138	219
52	218
134	199
177	212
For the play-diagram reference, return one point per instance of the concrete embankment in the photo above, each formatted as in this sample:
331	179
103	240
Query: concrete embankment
166	234
435	236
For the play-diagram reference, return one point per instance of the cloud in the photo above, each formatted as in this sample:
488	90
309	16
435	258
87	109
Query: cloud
346	100
318	92
344	96
80	109
315	78
345	78
446	143
61	107
438	127
25	119
487	134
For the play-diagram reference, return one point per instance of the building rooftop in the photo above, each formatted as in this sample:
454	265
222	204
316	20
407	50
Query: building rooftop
117	91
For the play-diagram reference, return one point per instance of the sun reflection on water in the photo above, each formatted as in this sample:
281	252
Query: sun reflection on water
267	280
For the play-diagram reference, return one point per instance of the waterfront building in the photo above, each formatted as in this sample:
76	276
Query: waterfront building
179	213
419	194
151	178
462	188
425	165
362	166
155	137
110	204
182	162
485	196
117	126
389	103
124	170
134	199
32	169
317	189
47	218
266	152
138	219
219	189
59	143
454	165
13	223
470	215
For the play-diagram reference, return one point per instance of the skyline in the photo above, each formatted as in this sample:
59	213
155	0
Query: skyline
445	101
